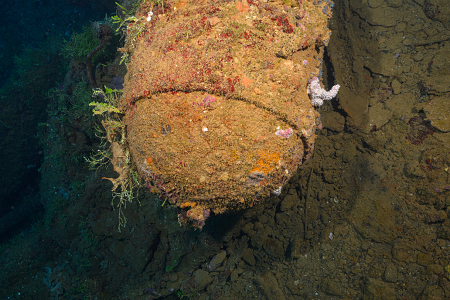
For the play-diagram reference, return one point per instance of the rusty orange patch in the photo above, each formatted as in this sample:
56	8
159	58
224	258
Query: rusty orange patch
267	161
242	6
213	21
183	2
246	81
188	204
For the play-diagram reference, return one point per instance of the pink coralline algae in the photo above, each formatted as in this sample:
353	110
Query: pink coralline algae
318	94
284	133
419	130
206	102
197	214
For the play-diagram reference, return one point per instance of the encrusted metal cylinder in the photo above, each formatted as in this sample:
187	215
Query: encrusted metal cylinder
217	113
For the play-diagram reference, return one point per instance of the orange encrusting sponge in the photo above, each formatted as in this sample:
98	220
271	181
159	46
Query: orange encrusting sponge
267	161
188	204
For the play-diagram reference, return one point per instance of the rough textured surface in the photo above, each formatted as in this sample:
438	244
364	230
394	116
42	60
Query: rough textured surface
333	121
270	286
438	111
208	86
437	10
367	218
198	281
